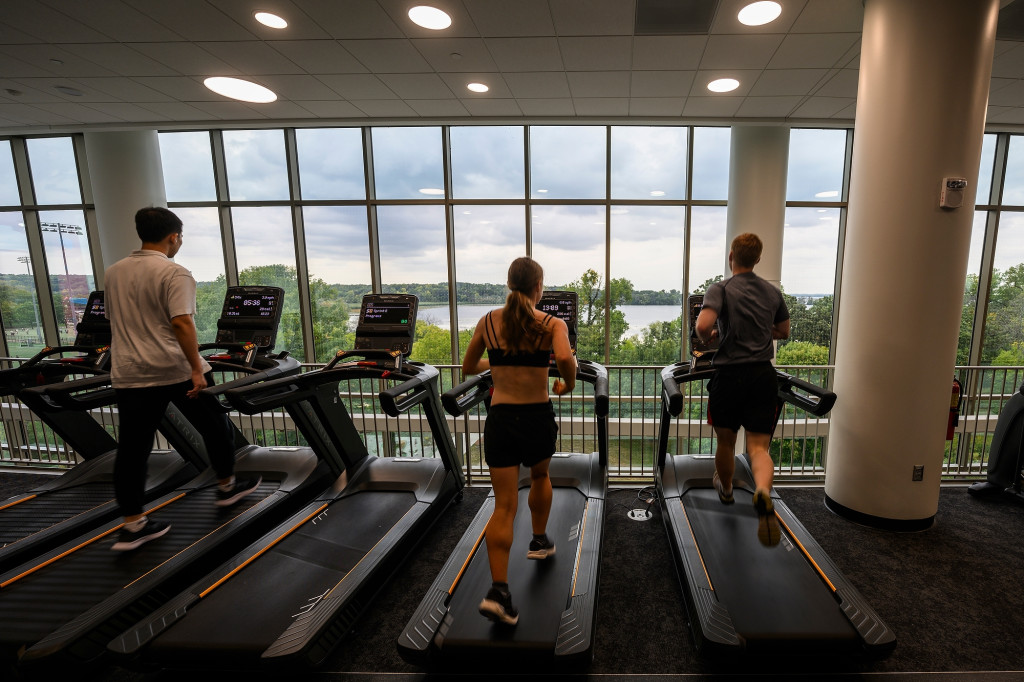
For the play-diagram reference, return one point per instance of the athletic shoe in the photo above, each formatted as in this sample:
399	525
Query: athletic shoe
497	606
129	540
540	549
243	486
768	531
726	499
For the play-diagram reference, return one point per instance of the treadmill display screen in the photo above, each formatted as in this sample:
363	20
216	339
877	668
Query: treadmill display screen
562	308
387	314
251	305
94	309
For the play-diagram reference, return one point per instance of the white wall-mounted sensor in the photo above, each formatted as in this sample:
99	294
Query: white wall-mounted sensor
952	193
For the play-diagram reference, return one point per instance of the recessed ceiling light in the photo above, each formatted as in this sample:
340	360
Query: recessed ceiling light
478	87
432	191
723	85
430	17
270	20
759	13
236	88
68	91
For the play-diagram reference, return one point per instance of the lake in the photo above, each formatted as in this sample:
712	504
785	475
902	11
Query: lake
637	316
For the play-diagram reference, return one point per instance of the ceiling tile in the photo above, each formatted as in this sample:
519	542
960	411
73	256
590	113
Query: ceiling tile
181	88
846	114
285	109
319	56
812	50
843	84
656	106
332	109
46	23
129	112
599	84
601	106
79	112
384	108
68	64
358	86
543	106
702	78
30	91
767	107
186	59
197	20
293	87
457	83
597	54
712	107
834	16
117	20
1009	96
252	57
677	53
177	111
593	17
727	18
351	19
124	89
1009	64
822	107
417	85
544	85
300	25
47	89
462	25
518	18
439	108
658	84
740	52
387	56
32	115
492	107
120	59
472	54
779	82
12	67
230	111
526	54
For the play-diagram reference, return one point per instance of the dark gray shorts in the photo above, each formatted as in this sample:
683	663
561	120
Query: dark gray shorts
744	395
519	434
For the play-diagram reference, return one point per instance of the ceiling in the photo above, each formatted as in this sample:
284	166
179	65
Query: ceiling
142	63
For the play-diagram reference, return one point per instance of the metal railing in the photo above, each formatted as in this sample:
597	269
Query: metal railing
799	446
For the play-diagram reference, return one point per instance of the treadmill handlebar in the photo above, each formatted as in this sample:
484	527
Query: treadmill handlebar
402	397
388	359
47	353
672	377
80	394
459	399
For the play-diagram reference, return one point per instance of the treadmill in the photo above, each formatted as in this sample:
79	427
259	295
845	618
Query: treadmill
83	496
740	595
61	608
293	594
556	598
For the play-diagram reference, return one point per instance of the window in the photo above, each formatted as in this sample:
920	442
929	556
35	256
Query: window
19	299
71	277
188	166
331	163
256	166
487	162
711	148
8	181
407	163
648	163
567	162
202	252
54	170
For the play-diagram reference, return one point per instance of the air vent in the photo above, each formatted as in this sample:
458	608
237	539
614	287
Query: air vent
674	17
1011	22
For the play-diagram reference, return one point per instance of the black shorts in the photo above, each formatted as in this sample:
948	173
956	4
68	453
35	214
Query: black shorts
744	395
519	434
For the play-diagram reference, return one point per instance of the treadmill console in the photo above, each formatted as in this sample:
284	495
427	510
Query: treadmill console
94	329
563	305
251	315
387	322
701	354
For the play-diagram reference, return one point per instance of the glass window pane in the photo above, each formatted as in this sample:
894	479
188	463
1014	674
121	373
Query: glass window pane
8	181
407	163
265	249
422	270
338	255
69	266
985	169
569	243
1013	186
54	170
970	304
567	162
487	240
816	160
331	163
648	162
187	161
809	252
19	300
708	251
1004	326
202	252
487	162
711	163
647	255
256	166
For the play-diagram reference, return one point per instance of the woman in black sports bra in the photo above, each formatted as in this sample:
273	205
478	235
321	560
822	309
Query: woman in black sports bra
520	427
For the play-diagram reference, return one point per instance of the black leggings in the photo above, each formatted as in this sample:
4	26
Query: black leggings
140	411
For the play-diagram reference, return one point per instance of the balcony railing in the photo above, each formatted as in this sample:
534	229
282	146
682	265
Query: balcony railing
799	447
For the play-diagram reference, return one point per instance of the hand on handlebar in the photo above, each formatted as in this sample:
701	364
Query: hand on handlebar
198	384
560	387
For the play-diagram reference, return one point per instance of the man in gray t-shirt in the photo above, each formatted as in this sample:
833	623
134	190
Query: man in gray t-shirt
751	314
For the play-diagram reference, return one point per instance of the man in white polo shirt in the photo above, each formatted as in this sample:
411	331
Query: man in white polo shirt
155	360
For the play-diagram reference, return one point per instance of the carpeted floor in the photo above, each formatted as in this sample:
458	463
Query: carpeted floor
952	594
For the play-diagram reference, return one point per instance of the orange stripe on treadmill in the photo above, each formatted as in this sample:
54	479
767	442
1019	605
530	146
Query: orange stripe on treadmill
24	499
807	555
257	555
579	550
696	546
469	558
80	546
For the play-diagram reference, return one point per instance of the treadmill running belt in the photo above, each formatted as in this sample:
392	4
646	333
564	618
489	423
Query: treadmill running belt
252	609
25	518
772	594
540	589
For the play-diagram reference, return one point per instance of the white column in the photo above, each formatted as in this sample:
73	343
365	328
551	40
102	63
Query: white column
924	79
758	163
126	175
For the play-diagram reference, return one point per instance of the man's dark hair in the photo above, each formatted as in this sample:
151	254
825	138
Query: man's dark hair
154	223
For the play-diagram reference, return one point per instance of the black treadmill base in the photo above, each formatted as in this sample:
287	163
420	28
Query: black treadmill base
896	525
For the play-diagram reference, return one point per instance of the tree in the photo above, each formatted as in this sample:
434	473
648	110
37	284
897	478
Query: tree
802	353
591	324
658	344
703	288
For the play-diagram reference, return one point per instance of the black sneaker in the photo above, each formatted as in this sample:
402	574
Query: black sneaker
768	531
243	486
726	499
129	540
540	549
497	606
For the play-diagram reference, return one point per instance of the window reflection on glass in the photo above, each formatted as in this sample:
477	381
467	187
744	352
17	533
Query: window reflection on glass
816	159
1013	185
338	253
407	163
708	249
1003	343
487	162
331	163
809	252
648	162
54	170
487	240
985	168
414	260
711	163
569	243
202	252
70	268
8	181
647	277
19	302
188	166
265	249
255	164
567	162
970	302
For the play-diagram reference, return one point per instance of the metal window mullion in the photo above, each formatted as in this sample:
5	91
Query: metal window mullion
449	232
227	230
528	198
684	337
840	249
299	235
607	244
92	229
372	231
